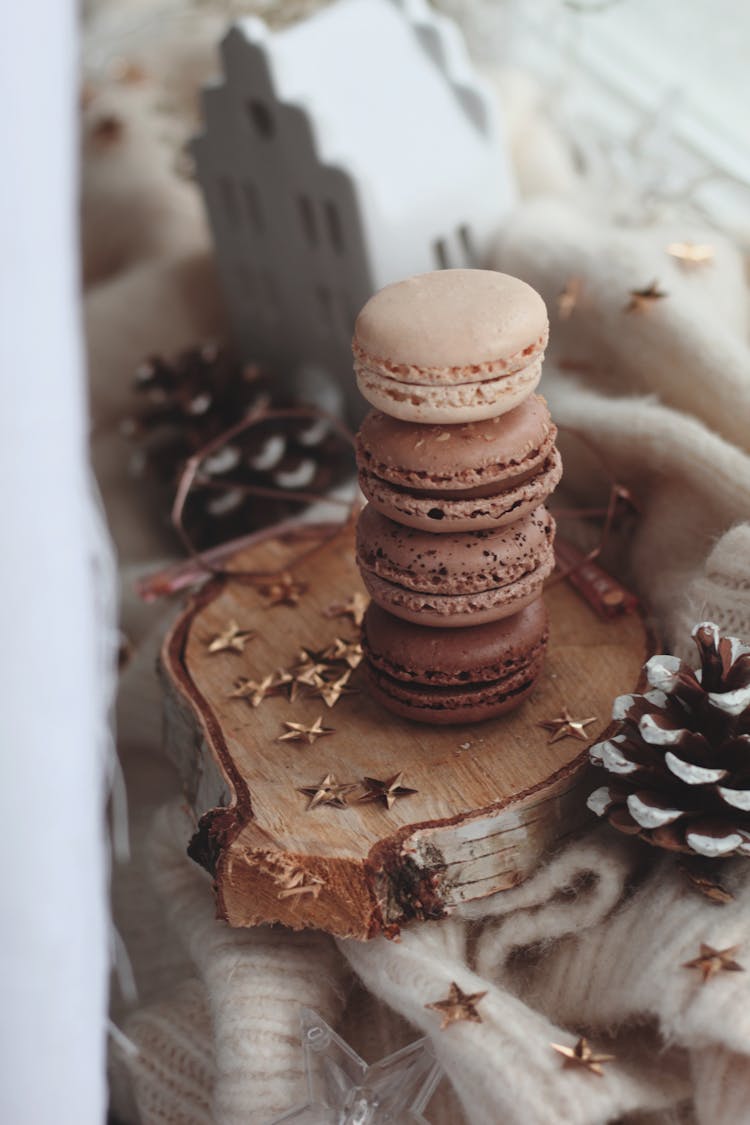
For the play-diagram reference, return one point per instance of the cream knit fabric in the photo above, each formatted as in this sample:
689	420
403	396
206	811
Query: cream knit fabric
595	940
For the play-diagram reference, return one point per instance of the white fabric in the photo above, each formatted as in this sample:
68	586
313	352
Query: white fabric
595	940
57	614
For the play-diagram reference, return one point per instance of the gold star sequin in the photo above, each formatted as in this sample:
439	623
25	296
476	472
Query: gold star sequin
298	732
691	253
330	691
713	961
230	639
309	674
284	591
458	1006
284	680
347	652
253	691
568	298
582	1055
567	727
327	792
642	299
354	608
387	791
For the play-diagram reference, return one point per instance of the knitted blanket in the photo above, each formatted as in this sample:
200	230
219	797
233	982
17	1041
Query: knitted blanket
594	942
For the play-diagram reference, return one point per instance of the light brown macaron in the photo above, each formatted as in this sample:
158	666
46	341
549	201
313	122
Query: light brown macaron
450	346
452	581
449	676
470	477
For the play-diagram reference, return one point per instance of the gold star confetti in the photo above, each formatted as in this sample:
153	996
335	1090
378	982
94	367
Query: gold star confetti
230	639
458	1006
582	1055
327	792
284	591
298	732
568	298
253	691
330	691
691	253
309	674
713	961
285	680
387	791
567	727
129	73
348	652
355	608
706	885
642	299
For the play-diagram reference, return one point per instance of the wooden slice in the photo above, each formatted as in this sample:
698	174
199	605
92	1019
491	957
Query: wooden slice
491	800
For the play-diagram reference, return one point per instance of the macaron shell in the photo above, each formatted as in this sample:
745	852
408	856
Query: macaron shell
452	564
510	503
427	328
437	457
455	710
451	404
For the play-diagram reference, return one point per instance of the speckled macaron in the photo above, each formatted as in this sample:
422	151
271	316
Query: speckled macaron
451	346
449	676
456	580
469	477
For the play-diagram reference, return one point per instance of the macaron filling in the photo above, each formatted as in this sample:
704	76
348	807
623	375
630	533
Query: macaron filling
421	375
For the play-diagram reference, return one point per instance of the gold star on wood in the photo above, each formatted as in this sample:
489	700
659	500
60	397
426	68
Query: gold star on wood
354	608
330	691
582	1055
713	961
309	674
285	680
568	298
387	791
298	732
253	691
567	727
348	652
691	253
284	591
458	1007
230	639
327	792
642	299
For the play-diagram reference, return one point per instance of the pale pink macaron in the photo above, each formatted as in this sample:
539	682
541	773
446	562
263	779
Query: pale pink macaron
454	580
450	346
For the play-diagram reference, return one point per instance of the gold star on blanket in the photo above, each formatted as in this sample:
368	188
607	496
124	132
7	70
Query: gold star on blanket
253	691
582	1055
568	298
387	791
230	639
298	732
458	1006
355	608
567	727
284	591
713	961
691	253
642	299
327	792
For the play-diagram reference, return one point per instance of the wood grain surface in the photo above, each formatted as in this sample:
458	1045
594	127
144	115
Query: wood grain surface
492	798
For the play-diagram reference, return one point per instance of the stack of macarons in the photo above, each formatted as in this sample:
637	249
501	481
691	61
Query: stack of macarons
456	462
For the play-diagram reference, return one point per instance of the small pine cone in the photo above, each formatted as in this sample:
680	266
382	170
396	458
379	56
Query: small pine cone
680	752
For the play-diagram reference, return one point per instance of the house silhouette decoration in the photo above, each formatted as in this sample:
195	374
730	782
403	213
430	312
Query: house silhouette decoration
344	152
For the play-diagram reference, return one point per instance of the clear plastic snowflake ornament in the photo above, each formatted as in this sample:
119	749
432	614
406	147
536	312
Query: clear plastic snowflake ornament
343	1090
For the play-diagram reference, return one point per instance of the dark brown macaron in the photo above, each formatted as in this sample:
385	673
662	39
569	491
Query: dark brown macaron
471	477
452	676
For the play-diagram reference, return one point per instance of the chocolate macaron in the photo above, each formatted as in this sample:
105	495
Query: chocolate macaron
451	346
449	676
460	478
458	579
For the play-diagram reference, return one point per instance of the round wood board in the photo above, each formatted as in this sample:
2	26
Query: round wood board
492	798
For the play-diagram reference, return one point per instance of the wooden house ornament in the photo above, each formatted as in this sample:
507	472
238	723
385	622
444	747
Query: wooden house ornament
339	154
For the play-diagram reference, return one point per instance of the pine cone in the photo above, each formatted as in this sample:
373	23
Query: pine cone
680	752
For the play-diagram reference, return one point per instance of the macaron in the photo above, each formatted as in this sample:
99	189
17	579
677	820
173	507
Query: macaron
470	477
453	675
450	346
458	579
